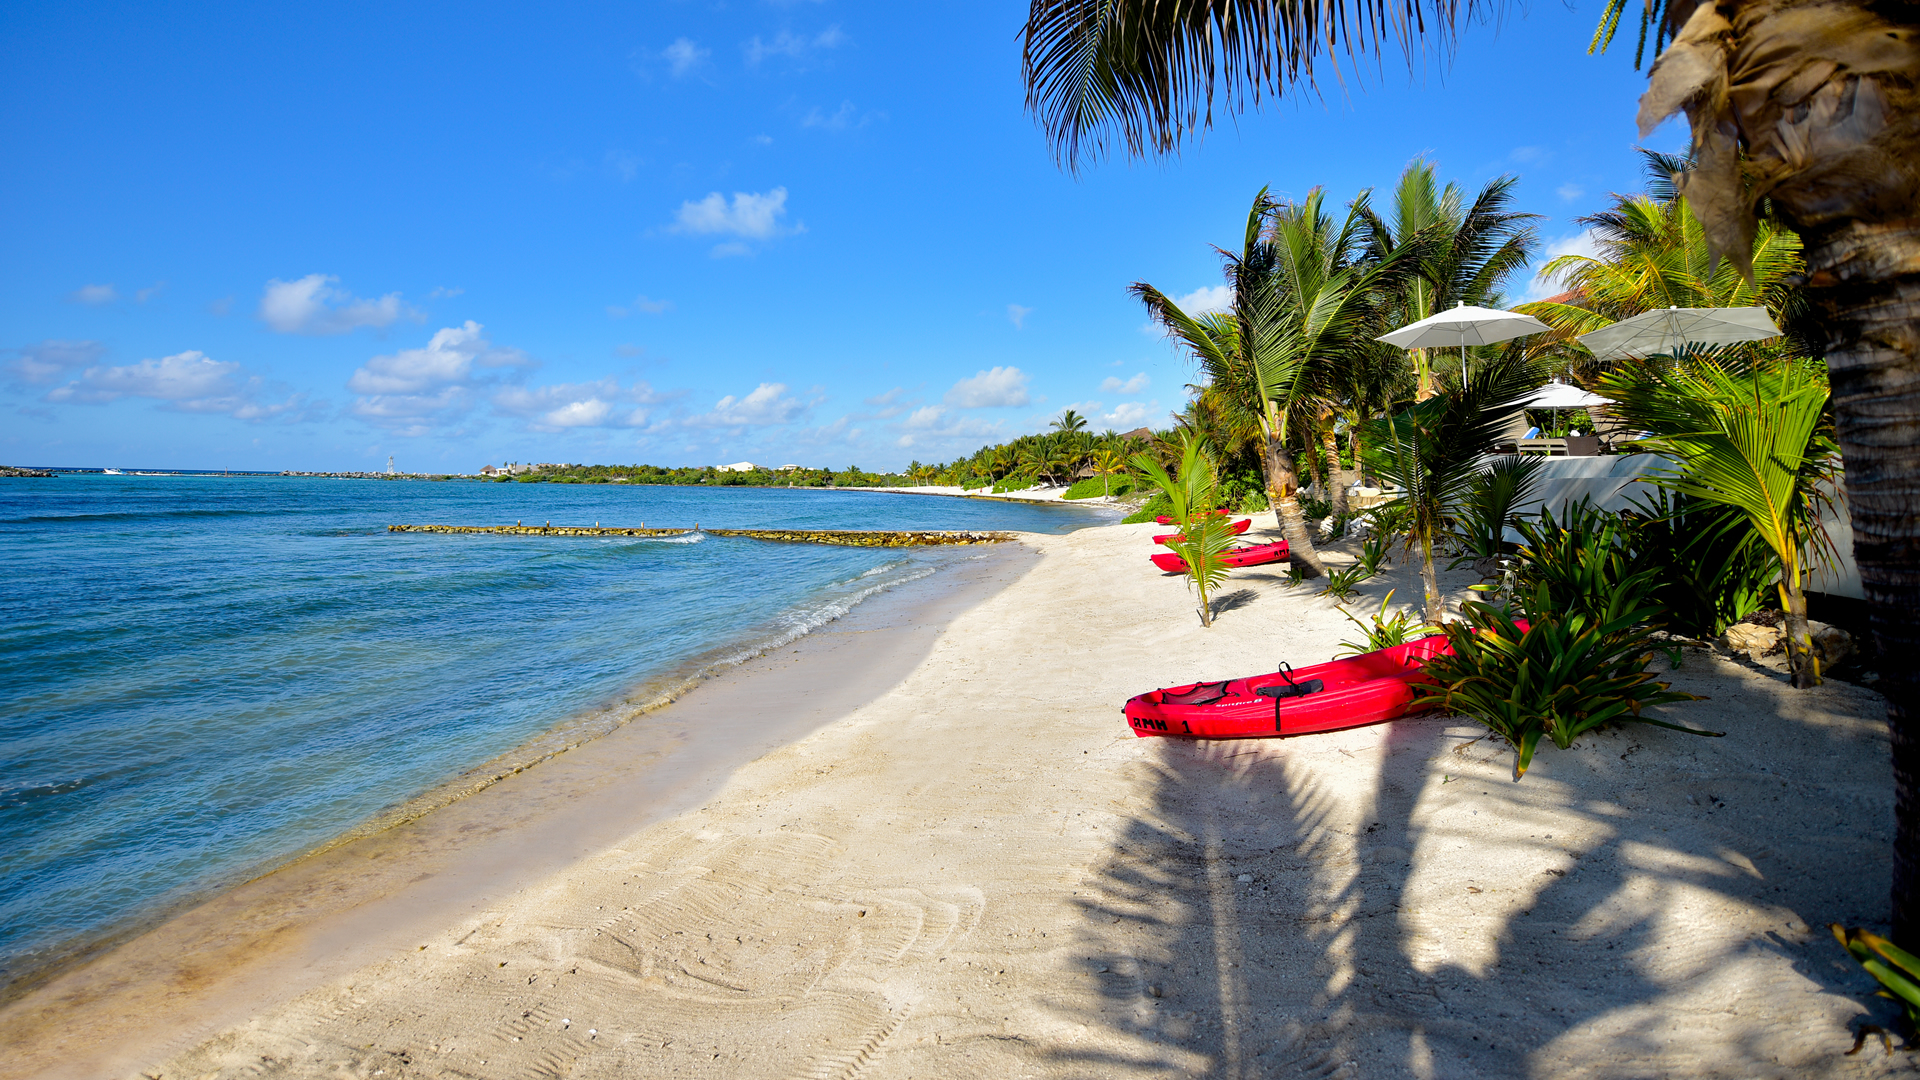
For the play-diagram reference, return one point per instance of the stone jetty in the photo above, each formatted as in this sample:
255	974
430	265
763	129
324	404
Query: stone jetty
841	537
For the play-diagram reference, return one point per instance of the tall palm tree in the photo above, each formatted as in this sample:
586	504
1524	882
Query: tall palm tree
1464	253
1069	421
1810	105
1302	294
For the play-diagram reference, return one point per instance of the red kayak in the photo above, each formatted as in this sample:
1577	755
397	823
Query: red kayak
1251	555
1353	692
1165	520
1236	529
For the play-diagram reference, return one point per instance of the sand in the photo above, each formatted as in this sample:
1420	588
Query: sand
975	870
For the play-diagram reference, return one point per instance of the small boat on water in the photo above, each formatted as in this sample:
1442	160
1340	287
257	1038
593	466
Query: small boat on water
1165	520
1250	555
1346	693
1236	529
110	472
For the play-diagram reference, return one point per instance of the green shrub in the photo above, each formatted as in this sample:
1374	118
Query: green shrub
1341	583
1012	484
1480	521
1385	633
1373	550
1315	509
1095	486
1156	506
1569	673
1712	569
1579	565
975	483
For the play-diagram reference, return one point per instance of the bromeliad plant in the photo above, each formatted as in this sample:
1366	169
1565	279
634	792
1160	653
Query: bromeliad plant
1897	970
1564	675
1577	563
1385	633
1204	535
1481	520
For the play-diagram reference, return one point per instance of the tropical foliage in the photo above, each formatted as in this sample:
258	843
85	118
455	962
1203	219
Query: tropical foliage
1203	536
1749	437
1563	675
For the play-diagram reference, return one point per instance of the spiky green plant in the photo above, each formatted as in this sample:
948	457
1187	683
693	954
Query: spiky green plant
1384	633
1896	969
1481	520
1341	583
1205	536
1565	675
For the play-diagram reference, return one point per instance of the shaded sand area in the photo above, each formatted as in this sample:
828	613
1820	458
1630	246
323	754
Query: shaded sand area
977	871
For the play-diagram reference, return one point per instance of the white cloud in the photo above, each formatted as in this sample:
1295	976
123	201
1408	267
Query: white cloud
1582	242
756	216
999	386
190	382
1126	416
441	292
1113	385
683	56
890	404
1206	298
794	46
841	119
925	417
1569	192
49	361
577	405
767	405
640	303
412	389
311	305
148	293
94	295
1017	315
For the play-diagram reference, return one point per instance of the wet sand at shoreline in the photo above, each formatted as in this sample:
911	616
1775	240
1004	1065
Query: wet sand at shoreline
975	870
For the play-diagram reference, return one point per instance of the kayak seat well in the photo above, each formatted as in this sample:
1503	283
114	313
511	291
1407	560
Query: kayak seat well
1197	694
1287	690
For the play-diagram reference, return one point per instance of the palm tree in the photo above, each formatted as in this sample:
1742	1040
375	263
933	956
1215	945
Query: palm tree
1069	421
1810	105
1752	440
1653	252
1204	538
1464	253
1303	294
1433	450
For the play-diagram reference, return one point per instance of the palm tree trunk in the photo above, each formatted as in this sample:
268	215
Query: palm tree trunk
1865	282
1424	387
1435	605
1802	666
1336	484
1283	481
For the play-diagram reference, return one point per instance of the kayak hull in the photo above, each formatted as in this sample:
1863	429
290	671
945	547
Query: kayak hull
1250	555
1165	520
1356	691
1236	529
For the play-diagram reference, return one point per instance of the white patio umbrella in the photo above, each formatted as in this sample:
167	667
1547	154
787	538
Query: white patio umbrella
1559	395
1665	329
1464	325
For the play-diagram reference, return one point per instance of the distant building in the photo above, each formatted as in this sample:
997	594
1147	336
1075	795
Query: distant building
738	466
488	470
789	468
1141	433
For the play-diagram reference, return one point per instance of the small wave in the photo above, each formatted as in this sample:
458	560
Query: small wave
142	515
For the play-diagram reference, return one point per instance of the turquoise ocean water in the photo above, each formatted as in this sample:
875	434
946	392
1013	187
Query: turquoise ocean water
201	677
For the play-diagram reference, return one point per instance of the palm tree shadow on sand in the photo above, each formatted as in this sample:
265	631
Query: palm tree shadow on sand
1404	909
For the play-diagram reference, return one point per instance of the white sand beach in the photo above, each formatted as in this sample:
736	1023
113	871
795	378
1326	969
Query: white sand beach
960	862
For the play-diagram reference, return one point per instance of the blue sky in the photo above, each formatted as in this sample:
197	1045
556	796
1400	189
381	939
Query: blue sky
827	233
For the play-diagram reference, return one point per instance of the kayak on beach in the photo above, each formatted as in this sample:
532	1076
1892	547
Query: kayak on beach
1250	555
1346	693
1236	529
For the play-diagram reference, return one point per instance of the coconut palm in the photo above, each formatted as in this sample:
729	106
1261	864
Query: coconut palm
1464	253
1069	421
1303	297
1204	538
1810	105
1433	451
1750	439
1653	252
